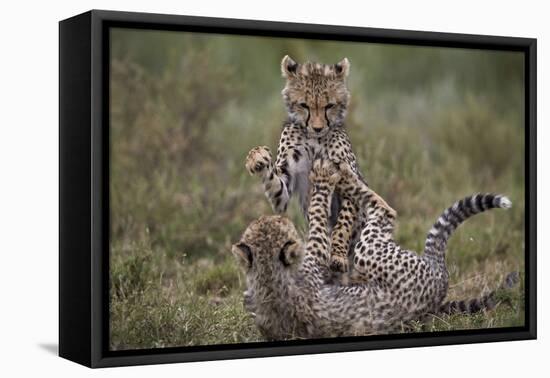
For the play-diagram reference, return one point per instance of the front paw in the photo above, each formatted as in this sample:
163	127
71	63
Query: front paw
258	160
348	174
384	205
350	181
339	263
324	174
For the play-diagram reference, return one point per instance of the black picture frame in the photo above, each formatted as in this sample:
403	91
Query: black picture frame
84	187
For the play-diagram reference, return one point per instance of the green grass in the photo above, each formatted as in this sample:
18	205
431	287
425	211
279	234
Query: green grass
182	305
428	126
201	304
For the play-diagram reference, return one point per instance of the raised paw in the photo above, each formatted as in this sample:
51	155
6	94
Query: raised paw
383	204
349	177
350	184
258	160
324	173
339	263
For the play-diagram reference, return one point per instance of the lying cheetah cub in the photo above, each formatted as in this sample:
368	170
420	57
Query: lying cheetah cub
316	98
287	285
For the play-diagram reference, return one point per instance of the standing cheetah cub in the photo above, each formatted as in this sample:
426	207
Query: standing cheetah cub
316	98
287	285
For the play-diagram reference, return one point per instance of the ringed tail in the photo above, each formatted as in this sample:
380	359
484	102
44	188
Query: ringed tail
452	217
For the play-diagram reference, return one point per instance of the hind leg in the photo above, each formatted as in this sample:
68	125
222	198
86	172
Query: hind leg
341	236
374	249
376	228
324	177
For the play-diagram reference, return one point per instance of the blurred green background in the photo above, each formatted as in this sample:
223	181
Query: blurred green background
428	125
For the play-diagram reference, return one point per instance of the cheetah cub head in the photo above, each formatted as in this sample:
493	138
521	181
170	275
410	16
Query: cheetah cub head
316	95
270	243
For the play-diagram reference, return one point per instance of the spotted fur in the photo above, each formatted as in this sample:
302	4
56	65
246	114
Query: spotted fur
316	99
289	286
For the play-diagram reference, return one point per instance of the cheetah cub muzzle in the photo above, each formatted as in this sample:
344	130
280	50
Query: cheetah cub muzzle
288	287
316	98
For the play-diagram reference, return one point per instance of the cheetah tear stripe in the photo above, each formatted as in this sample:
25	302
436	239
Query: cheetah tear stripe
299	298
316	98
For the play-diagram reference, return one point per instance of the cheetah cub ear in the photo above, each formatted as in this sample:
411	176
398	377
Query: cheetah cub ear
288	67
243	253
291	254
342	68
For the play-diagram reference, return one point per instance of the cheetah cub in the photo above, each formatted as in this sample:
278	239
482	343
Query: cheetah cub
287	286
316	98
